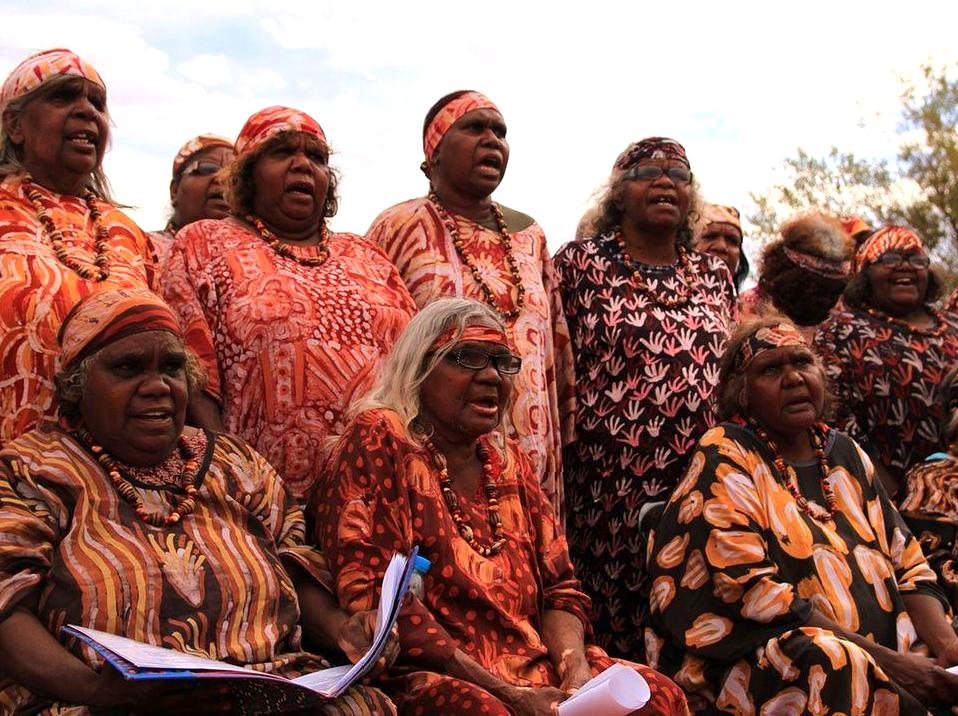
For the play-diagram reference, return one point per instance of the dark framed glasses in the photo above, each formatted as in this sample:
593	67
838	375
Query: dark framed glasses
202	168
651	172
891	259
477	359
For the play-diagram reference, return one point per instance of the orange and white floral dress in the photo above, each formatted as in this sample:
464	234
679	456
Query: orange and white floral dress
737	568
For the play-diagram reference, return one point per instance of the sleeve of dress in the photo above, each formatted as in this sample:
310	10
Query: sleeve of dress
561	590
563	362
715	590
28	533
185	286
913	574
362	513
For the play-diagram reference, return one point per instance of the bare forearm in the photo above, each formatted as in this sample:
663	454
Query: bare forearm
880	653
563	634
34	659
933	627
320	614
464	667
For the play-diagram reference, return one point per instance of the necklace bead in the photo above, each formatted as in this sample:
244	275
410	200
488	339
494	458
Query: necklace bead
936	332
285	251
487	293
685	274
101	262
490	491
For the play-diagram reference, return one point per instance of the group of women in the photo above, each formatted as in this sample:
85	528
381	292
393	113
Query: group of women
215	436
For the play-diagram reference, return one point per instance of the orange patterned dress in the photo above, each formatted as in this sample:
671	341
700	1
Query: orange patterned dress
37	292
737	568
381	495
543	409
215	584
288	347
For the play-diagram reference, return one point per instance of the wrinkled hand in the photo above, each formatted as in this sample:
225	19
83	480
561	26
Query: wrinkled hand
156	697
542	701
356	636
924	679
574	671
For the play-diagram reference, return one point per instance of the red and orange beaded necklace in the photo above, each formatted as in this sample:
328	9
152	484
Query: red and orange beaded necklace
684	273
939	330
487	292
101	262
128	492
788	478
489	489
285	251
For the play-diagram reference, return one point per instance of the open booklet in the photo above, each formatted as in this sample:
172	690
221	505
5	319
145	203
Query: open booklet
136	660
617	691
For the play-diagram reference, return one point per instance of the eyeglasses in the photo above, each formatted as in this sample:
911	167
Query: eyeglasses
891	259
202	168
475	359
651	172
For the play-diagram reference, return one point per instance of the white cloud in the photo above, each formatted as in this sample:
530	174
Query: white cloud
207	70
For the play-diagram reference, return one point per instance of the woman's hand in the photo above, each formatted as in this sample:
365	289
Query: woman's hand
924	679
112	691
574	671
541	701
356	636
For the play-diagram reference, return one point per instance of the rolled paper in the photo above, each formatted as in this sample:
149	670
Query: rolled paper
617	691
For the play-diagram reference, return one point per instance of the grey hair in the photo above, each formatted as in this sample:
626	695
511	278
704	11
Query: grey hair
11	161
401	375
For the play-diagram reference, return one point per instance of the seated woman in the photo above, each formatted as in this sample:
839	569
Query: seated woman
502	624
718	232
123	520
196	189
783	579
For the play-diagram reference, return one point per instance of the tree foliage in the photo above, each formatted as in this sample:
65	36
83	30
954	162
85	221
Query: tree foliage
920	188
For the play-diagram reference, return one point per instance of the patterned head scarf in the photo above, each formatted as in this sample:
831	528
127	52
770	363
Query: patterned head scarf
195	145
43	66
717	214
449	115
271	121
485	334
651	148
854	225
107	316
768	338
887	238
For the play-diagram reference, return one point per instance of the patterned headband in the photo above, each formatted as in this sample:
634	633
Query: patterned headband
271	121
817	265
448	116
766	339
107	316
717	214
43	66
197	144
651	148
887	238
485	334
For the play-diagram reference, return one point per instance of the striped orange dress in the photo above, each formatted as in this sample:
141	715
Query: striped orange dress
37	291
214	584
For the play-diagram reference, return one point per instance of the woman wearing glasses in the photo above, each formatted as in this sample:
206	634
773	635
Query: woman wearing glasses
887	352
649	318
458	242
196	189
499	628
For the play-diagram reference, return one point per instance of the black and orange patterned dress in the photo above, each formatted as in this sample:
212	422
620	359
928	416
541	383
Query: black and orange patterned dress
645	378
737	568
887	378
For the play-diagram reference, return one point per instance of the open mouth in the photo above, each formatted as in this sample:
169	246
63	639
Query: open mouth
665	199
486	406
154	416
493	161
904	281
303	188
83	139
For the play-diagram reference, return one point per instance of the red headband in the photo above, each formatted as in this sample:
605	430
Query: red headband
449	115
818	265
887	238
766	339
43	66
271	121
485	334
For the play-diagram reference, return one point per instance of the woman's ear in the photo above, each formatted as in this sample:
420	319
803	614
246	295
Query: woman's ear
11	126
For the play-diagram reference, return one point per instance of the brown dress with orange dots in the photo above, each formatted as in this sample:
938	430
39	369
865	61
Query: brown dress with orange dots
381	495
737	568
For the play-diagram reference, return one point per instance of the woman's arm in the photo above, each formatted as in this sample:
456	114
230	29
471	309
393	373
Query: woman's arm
524	701
564	637
933	627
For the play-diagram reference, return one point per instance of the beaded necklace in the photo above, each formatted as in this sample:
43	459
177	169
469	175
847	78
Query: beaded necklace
484	287
788	478
128	492
936	332
684	272
490	491
54	233
285	251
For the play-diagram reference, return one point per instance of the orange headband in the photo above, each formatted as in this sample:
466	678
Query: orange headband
195	145
271	121
43	66
448	116
767	339
887	238
485	334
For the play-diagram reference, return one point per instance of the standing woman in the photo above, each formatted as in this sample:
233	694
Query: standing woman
458	242
649	318
61	237
887	352
718	232
290	319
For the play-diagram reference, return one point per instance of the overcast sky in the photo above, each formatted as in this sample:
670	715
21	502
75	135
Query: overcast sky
740	85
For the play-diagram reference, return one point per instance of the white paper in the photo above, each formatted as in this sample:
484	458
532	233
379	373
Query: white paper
952	669
617	691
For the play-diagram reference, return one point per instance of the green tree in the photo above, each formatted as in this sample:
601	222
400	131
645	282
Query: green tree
920	188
